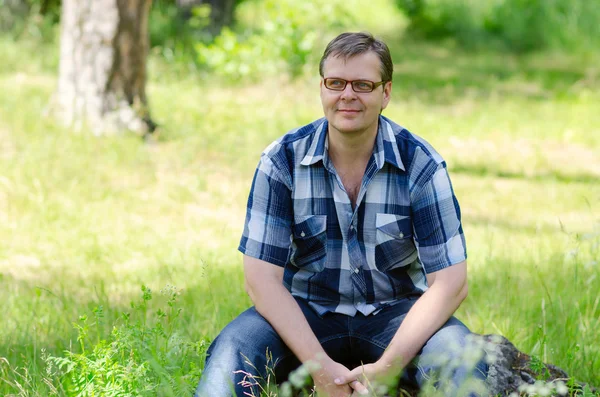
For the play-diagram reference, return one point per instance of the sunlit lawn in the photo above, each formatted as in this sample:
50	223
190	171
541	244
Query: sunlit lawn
86	221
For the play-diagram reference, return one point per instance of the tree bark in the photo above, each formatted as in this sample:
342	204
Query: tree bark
102	72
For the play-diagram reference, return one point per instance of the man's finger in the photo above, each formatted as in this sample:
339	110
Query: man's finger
349	377
359	387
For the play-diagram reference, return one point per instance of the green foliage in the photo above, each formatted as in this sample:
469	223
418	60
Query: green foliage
11	13
434	19
534	24
287	38
140	357
519	25
539	368
31	19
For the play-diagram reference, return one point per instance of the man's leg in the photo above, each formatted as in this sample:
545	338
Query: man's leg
450	358
250	335
239	354
372	334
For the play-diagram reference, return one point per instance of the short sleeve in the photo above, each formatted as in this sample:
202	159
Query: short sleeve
437	222
267	230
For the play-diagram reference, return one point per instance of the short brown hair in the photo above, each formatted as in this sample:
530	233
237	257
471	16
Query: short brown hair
347	45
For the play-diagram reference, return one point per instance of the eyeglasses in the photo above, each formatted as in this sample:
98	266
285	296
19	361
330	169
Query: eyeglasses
362	86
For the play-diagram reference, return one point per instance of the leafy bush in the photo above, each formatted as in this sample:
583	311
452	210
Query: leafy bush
519	25
526	25
141	357
285	37
463	20
30	18
11	13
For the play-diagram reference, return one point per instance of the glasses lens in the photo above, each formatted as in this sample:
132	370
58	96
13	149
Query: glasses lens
335	84
362	86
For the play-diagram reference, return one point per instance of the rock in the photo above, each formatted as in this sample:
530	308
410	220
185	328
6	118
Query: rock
511	369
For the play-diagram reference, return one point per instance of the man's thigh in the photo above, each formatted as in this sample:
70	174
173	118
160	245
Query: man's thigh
373	334
250	341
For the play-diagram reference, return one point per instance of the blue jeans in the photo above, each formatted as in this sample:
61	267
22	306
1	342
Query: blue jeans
241	348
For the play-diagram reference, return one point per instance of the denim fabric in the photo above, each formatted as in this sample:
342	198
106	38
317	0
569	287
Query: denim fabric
241	348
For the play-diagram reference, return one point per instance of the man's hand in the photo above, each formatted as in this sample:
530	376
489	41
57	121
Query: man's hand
325	384
371	375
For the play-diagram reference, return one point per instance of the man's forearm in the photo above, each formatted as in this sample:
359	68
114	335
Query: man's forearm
275	303
427	315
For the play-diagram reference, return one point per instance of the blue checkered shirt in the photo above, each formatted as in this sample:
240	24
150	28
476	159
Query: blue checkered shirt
406	221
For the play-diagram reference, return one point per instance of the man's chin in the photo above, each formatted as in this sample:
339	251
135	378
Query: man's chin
347	128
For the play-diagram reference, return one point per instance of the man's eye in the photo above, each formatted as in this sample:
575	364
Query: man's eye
363	85
336	83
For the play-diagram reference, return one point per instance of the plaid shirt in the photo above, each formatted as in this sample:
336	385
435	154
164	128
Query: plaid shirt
406	221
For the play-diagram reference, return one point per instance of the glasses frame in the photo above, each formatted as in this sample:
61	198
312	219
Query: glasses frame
375	84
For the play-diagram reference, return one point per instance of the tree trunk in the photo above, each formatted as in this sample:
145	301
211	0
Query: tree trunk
102	72
221	12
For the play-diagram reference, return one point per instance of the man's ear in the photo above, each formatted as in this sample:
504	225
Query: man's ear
387	94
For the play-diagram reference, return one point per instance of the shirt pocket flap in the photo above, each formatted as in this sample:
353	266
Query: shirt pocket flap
396	226
309	226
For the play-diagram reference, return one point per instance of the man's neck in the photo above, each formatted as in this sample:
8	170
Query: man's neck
349	150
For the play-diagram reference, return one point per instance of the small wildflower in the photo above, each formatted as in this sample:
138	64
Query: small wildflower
298	377
285	390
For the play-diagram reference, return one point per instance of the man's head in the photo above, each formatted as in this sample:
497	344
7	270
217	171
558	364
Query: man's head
357	82
348	45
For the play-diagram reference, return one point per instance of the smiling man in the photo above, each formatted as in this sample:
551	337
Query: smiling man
354	254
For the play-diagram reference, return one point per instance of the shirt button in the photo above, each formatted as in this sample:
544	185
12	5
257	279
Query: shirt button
351	227
302	234
401	235
356	270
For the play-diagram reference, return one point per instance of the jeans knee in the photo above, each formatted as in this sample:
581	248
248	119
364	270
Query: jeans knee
242	351
451	352
243	343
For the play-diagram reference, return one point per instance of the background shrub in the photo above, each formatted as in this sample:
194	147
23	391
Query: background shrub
518	25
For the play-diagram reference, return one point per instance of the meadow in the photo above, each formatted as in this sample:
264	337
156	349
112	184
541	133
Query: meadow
86	221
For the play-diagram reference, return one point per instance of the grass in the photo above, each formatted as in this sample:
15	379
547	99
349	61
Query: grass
85	221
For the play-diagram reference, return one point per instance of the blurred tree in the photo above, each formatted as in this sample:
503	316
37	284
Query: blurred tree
102	71
221	12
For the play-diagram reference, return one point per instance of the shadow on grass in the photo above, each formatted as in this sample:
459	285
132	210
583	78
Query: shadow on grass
441	72
483	170
47	317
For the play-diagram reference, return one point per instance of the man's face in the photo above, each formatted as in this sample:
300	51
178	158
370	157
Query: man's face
352	112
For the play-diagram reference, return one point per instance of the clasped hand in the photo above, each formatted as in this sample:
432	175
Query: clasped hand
333	379
369	377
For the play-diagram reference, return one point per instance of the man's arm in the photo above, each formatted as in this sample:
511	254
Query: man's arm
275	303
448	288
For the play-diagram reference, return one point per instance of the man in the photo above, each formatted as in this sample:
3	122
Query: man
354	254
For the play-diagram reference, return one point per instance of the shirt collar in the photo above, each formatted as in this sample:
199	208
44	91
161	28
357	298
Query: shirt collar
386	146
385	150
318	148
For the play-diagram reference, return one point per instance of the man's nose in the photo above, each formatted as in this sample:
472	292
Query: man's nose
348	92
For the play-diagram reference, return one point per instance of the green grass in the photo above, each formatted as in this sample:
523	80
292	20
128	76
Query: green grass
86	221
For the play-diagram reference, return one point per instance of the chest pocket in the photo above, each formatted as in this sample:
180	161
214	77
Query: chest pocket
309	246
395	246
